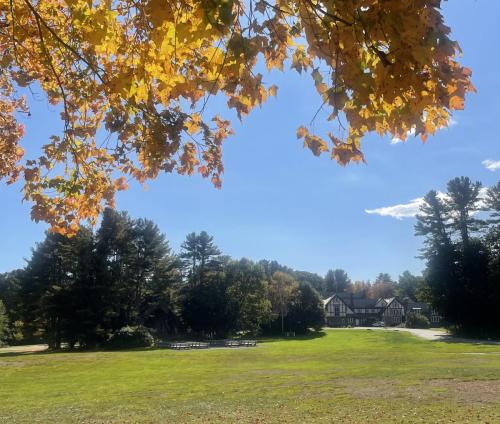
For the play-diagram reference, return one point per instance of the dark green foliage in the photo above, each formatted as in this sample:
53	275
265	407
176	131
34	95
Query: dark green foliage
306	310
417	321
4	324
100	289
230	301
52	303
130	337
463	196
462	279
432	223
199	256
206	308
492	203
317	282
248	293
337	281
410	286
271	267
81	290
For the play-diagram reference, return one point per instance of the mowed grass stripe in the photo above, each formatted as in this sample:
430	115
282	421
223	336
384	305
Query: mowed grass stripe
353	376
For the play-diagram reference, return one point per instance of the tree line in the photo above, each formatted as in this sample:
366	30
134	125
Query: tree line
462	252
82	290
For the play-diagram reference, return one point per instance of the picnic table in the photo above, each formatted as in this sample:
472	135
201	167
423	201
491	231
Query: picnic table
206	345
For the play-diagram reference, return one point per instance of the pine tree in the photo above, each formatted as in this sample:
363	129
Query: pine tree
432	223
462	202
199	255
492	203
337	281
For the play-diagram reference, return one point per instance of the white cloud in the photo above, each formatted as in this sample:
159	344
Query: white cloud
492	165
403	210
410	133
412	208
451	123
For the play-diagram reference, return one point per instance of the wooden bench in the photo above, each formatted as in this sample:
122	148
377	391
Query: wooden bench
206	345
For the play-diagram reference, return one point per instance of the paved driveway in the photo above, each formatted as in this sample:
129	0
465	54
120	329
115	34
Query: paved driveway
433	334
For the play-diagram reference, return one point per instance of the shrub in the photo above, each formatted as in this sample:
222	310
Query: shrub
417	321
130	337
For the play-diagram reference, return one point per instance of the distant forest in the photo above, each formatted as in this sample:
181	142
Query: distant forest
84	289
124	279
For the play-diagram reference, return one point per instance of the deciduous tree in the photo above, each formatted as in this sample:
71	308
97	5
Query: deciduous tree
144	71
384	286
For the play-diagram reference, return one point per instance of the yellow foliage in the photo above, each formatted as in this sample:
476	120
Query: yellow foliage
145	71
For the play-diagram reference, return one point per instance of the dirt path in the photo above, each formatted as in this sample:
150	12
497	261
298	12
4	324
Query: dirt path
24	349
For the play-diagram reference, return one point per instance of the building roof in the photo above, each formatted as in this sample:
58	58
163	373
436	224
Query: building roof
353	300
325	301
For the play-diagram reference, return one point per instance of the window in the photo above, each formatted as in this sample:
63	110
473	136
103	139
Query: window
337	311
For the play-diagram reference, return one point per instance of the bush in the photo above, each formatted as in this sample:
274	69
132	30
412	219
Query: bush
130	337
417	321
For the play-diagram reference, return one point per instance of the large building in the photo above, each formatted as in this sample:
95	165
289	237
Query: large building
354	309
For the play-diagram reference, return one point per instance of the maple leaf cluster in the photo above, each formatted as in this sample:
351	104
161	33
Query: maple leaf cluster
133	79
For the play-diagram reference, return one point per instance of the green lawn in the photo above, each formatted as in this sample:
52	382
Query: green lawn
345	376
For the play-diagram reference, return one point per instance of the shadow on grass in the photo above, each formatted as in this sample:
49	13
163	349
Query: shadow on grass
471	341
308	336
47	351
264	339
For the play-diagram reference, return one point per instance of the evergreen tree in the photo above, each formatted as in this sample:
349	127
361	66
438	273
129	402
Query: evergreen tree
463	202
156	274
206	307
462	276
492	204
4	323
200	256
432	223
51	301
271	267
10	287
337	281
114	268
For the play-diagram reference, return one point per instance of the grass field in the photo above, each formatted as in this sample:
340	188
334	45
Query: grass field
344	376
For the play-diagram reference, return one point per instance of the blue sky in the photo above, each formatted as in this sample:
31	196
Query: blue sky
279	202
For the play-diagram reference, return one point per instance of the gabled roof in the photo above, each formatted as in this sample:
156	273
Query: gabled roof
389	300
352	300
327	300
